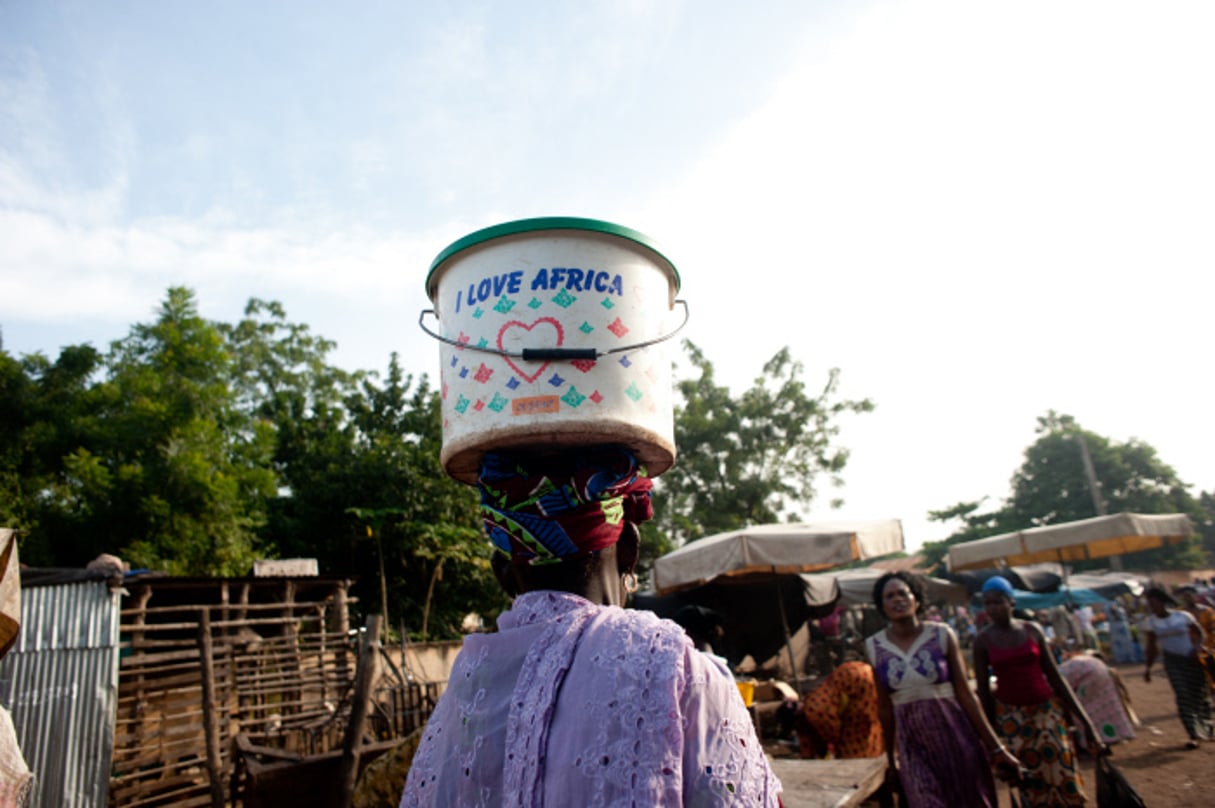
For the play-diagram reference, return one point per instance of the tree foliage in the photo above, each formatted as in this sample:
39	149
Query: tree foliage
195	447
753	458
161	463
1051	486
45	415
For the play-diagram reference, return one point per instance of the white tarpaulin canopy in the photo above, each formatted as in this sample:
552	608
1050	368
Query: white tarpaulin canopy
776	550
854	587
1098	537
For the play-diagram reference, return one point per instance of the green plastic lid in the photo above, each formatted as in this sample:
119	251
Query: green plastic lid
545	223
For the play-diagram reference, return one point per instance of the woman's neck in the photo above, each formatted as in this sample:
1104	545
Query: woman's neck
906	626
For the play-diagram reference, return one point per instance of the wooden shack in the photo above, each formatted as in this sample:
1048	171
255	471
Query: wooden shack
209	665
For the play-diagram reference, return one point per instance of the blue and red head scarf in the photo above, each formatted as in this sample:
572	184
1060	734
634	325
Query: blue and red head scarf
544	509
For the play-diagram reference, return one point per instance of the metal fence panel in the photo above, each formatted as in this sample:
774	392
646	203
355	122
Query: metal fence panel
60	682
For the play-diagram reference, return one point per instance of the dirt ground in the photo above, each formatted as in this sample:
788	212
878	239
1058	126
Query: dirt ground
1156	762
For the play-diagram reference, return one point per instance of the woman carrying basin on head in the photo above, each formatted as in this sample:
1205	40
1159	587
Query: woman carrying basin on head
574	700
934	728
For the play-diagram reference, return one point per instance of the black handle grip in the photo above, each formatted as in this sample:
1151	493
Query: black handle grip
567	354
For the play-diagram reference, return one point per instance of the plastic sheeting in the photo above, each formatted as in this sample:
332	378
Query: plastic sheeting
775	550
1099	537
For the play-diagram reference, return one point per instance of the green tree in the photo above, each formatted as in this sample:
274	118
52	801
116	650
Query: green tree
173	475
44	415
283	380
375	463
749	459
1051	486
438	538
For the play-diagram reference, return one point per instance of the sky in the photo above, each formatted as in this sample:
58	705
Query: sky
977	211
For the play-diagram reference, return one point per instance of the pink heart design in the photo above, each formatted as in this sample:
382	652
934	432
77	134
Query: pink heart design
549	321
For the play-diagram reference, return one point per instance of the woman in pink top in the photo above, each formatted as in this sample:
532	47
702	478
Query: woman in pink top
1030	703
574	700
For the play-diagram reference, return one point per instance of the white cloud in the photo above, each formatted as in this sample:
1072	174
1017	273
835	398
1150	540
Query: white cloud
979	213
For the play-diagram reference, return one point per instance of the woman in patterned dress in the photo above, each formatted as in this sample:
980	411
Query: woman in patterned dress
840	716
939	746
1097	686
1031	701
1175	634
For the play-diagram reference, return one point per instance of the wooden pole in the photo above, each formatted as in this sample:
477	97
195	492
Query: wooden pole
784	622
215	765
369	657
1094	490
341	616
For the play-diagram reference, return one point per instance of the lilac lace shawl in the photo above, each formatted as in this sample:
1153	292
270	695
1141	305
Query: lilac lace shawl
576	704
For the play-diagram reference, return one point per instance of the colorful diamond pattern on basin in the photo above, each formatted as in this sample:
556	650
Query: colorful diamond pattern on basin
498	395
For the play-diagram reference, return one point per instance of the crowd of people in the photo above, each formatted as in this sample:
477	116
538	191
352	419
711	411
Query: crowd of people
1043	681
576	700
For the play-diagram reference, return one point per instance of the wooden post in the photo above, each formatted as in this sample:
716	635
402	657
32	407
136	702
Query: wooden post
341	613
341	618
215	764
224	614
784	622
240	660
369	658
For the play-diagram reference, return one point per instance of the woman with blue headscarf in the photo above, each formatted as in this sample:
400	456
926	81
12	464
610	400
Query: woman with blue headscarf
1031	703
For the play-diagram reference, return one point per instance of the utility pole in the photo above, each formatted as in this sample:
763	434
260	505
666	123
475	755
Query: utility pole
1094	488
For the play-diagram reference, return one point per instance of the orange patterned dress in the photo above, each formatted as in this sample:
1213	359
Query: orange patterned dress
843	712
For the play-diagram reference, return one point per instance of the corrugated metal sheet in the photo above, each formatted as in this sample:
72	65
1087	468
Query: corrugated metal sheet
60	682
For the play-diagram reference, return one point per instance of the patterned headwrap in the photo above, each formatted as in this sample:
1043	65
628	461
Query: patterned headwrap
542	510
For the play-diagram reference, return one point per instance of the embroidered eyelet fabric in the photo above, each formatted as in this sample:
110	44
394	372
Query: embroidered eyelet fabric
570	703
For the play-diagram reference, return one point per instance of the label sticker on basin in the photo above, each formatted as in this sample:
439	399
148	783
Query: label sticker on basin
535	405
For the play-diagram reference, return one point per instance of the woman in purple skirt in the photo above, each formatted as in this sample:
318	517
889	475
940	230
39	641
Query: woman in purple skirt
945	747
